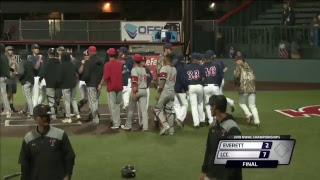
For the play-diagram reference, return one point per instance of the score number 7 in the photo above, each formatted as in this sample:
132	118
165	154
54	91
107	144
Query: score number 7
266	145
264	154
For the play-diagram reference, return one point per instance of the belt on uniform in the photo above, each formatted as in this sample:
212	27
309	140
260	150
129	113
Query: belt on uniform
211	84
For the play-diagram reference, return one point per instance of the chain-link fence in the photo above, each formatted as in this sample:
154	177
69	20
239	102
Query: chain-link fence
80	30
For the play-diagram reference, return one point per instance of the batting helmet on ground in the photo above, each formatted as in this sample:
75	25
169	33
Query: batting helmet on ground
128	171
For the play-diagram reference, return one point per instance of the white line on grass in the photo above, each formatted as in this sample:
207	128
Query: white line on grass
7	123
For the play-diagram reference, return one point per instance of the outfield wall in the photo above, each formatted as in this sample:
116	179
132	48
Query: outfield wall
272	70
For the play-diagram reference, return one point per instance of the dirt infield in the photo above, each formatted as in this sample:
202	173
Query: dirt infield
18	125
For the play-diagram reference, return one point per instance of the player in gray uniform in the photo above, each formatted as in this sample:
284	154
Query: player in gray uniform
163	109
138	94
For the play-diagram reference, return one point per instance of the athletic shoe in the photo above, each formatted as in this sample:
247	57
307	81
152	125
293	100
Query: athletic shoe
115	127
164	130
196	127
78	117
232	109
30	116
179	123
171	134
249	119
8	114
67	120
257	125
202	124
125	127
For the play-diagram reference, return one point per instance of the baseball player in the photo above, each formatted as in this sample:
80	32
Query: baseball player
138	94
163	109
196	75
245	81
212	81
12	81
82	83
167	49
149	78
224	69
68	75
128	65
93	72
37	60
181	89
4	75
49	72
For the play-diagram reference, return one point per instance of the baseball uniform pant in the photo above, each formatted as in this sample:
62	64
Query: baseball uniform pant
35	91
69	96
83	90
139	110
142	102
42	96
196	102
209	90
181	105
51	94
229	101
4	95
115	98
93	98
164	109
251	98
27	92
126	92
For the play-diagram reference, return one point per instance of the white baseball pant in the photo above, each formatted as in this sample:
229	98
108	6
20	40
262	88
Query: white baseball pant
83	90
180	106
251	98
196	102
209	90
43	94
35	91
229	101
126	94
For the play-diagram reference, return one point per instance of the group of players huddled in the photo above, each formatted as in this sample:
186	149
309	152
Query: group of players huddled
128	80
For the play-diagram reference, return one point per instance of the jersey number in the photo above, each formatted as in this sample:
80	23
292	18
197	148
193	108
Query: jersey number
143	78
211	71
172	78
193	75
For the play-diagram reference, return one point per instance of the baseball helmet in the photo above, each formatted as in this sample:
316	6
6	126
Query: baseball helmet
52	51
128	171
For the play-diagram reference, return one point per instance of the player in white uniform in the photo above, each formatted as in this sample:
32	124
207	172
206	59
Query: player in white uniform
196	75
82	84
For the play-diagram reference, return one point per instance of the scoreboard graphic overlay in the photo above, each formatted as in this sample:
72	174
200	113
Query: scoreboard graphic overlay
255	151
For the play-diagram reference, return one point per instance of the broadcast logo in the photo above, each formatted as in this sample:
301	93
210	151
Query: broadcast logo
131	30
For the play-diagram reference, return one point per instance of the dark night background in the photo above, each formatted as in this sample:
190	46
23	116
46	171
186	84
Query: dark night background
122	10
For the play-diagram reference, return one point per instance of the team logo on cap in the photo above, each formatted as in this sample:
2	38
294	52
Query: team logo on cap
131	30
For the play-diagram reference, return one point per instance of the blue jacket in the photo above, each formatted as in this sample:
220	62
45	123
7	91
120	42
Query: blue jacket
149	76
181	85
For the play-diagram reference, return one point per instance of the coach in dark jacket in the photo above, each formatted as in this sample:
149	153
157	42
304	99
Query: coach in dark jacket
26	78
68	86
93	72
50	72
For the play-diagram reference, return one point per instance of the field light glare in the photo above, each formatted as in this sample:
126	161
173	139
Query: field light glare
212	5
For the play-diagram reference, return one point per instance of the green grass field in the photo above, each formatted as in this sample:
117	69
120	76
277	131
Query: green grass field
181	156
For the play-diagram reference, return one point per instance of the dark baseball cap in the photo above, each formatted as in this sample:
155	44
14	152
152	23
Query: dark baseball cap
180	56
51	51
41	110
167	46
123	49
195	55
35	46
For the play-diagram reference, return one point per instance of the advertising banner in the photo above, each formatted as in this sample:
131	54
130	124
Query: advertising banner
142	30
151	63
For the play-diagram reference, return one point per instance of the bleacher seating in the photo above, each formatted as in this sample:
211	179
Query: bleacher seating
304	11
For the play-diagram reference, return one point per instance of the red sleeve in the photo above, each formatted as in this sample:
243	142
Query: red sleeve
106	72
163	74
134	78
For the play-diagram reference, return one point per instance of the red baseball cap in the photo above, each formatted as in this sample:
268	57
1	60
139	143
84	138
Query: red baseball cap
137	57
92	49
112	51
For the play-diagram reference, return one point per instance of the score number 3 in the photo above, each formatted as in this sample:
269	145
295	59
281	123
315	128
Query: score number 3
266	145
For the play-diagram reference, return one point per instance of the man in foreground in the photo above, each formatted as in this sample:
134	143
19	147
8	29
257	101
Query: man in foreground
224	126
46	152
